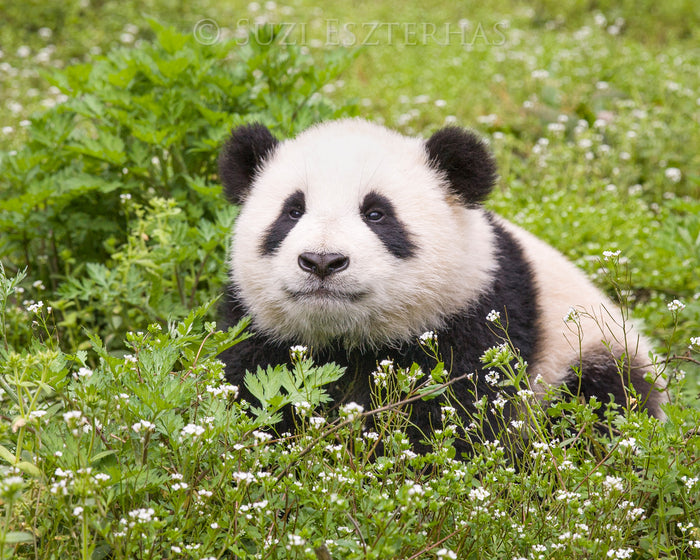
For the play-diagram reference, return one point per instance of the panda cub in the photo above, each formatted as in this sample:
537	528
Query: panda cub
353	240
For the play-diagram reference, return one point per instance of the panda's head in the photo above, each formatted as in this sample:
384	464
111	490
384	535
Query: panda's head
354	234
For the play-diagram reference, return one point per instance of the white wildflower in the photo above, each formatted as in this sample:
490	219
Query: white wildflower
317	421
428	336
620	553
35	307
380	377
689	482
302	408
72	415
408	454
243	477
565	496
607	255
143	425
556	127
223	390
192	430
447	411
142	515
499	402
673	174
539	449
296	540
351	410
479	494
84	373
572	316
487	119
261	436
613	483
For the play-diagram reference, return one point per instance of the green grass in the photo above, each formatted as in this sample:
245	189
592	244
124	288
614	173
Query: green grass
117	435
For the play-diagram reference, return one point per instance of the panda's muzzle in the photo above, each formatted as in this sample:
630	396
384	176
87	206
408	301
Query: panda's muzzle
323	264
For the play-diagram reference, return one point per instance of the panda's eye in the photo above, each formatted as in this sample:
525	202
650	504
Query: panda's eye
374	216
295	213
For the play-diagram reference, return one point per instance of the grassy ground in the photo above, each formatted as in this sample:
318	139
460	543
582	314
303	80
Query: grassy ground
592	110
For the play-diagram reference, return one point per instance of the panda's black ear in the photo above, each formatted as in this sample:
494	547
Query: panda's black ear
241	158
466	161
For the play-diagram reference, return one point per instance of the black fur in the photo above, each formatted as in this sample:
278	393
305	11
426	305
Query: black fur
466	162
461	343
280	228
602	377
390	230
241	158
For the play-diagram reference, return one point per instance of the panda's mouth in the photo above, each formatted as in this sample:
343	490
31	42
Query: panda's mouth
323	293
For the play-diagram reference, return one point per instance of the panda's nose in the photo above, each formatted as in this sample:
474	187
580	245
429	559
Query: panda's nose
323	264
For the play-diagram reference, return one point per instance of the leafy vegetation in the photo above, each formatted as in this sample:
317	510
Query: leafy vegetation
118	436
111	203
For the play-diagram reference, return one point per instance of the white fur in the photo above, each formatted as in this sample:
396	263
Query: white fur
336	164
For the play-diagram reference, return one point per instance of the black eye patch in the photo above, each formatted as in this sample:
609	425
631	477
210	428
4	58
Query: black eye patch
292	211
379	214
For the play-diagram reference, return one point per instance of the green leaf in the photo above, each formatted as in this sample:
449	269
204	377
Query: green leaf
174	67
6	455
16	537
168	37
107	147
266	383
29	468
97	458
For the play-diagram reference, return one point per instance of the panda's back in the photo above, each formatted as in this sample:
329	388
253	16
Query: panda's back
578	326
